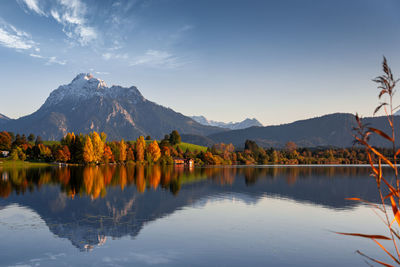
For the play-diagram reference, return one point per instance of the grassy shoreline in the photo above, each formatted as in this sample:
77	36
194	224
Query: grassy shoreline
20	163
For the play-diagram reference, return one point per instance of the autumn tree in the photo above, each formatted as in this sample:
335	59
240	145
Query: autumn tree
103	137
153	152
122	151
129	155
68	140
114	146
140	148
209	158
19	140
63	154
107	154
290	146
14	154
88	151
5	141
98	147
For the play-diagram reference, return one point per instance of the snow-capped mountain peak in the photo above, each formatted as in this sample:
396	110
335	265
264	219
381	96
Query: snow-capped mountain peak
230	125
85	86
86	78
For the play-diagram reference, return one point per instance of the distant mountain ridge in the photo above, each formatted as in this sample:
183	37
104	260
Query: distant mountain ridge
87	104
4	118
228	125
332	130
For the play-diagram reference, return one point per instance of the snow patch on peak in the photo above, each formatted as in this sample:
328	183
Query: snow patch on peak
85	86
83	78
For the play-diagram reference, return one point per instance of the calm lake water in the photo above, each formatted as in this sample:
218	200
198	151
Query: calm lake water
225	216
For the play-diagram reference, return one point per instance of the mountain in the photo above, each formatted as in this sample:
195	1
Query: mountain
230	125
4	118
87	104
329	130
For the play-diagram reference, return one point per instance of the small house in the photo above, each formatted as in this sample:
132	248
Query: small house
179	161
188	162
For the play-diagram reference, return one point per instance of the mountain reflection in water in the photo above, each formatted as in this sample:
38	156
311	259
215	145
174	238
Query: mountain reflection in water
87	204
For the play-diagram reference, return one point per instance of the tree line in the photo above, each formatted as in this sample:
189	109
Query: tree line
94	148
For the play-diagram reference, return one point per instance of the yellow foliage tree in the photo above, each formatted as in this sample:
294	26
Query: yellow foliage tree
154	151
140	146
88	153
98	146
122	151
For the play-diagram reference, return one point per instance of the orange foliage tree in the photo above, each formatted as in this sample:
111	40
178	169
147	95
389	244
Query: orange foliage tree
153	151
107	154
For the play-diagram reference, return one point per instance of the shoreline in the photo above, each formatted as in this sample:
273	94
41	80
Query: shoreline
9	163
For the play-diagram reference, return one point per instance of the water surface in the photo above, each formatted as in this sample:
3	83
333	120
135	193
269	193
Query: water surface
220	216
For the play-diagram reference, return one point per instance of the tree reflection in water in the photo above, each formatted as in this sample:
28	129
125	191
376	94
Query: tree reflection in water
88	204
93	181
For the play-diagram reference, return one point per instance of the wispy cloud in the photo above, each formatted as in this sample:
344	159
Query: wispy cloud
32	5
102	72
19	40
71	14
108	56
35	55
49	60
54	60
157	58
11	37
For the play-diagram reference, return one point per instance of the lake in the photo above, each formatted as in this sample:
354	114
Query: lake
169	216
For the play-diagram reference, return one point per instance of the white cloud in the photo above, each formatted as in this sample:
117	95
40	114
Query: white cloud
36	55
156	58
49	60
33	5
108	56
11	37
71	14
55	15
54	60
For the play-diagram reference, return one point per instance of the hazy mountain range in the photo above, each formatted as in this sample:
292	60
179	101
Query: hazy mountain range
87	104
230	125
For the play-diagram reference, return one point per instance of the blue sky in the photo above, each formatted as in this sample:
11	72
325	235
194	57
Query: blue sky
277	61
